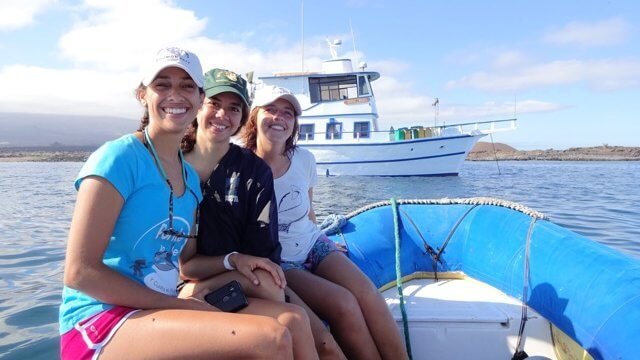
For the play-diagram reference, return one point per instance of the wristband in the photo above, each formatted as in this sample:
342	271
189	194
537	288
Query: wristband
226	263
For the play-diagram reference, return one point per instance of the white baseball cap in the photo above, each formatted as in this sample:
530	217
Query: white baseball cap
176	57
268	94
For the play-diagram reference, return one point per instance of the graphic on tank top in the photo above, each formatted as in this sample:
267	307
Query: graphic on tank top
292	208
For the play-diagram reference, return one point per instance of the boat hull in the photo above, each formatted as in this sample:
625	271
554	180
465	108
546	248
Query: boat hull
585	289
438	156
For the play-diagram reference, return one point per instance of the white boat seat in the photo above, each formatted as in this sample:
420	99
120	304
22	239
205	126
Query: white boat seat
465	319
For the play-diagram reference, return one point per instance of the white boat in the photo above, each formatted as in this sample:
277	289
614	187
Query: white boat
339	125
484	278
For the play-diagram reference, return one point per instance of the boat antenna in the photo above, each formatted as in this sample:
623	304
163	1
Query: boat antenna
302	32
353	39
436	105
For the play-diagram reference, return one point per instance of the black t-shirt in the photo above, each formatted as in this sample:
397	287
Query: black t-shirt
238	211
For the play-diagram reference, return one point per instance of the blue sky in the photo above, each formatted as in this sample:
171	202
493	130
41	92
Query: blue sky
572	68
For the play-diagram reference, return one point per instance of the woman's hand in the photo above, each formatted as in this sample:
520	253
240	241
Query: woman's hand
246	264
196	301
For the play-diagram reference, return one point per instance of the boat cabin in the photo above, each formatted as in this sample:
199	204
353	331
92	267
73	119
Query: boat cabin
338	103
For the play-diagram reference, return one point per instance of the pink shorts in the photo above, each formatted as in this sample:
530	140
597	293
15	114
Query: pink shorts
89	336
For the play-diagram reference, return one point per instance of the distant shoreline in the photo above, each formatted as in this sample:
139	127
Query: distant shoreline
490	152
482	152
43	156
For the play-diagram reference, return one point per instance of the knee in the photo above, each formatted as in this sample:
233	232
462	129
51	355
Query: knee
295	317
279	340
345	306
268	289
365	290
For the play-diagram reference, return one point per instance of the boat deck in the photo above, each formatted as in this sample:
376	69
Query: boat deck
466	319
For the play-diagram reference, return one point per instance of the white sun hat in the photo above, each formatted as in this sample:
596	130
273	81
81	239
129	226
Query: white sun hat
176	57
268	94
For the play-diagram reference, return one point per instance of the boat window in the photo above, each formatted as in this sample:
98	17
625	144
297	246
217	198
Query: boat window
332	88
334	131
306	131
360	129
363	86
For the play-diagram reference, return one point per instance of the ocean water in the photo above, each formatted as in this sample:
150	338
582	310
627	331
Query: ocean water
600	200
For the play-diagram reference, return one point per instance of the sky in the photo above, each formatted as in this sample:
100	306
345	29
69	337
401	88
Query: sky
569	71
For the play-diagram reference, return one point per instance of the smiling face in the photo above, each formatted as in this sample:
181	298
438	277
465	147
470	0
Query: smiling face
220	117
172	99
276	121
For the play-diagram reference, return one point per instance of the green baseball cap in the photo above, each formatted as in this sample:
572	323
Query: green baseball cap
217	81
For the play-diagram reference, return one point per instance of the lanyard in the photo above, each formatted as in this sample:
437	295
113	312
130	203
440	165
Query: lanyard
156	159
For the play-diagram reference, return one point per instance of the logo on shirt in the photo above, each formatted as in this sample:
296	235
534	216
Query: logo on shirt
290	206
231	189
156	257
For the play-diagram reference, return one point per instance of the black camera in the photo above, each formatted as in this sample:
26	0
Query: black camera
228	298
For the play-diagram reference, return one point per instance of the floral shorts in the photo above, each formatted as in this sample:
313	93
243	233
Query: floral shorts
322	247
86	339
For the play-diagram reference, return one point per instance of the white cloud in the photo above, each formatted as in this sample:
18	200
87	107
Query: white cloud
604	75
18	14
114	35
83	92
510	59
110	40
605	32
399	105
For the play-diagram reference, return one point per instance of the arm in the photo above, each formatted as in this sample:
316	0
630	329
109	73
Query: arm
312	213
257	230
97	208
200	267
196	267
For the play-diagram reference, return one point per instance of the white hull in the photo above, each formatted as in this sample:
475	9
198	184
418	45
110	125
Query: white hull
436	156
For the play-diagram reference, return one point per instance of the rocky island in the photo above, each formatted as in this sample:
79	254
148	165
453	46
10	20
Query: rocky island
484	151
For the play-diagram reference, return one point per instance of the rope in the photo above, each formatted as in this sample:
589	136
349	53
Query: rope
519	352
403	311
332	224
495	154
427	248
463	201
453	230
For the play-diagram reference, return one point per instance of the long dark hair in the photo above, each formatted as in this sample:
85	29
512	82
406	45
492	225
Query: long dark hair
250	133
144	119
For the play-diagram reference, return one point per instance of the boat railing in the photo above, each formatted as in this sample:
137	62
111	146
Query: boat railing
408	133
485	127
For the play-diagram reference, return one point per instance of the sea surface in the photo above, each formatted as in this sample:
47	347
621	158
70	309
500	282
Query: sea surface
600	200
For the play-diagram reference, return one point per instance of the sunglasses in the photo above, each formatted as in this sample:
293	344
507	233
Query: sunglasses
173	232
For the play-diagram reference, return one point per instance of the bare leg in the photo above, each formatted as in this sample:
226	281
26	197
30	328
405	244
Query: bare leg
340	308
326	345
337	268
189	334
294	318
266	299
